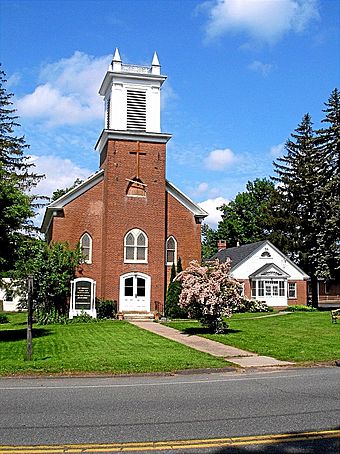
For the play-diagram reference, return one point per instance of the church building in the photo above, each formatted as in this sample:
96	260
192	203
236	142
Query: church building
131	222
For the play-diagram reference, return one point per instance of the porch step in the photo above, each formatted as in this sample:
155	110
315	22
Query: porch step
140	316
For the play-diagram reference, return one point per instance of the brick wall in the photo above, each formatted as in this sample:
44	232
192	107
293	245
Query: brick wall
183	227
84	214
301	294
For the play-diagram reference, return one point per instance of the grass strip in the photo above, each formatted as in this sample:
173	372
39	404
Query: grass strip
298	336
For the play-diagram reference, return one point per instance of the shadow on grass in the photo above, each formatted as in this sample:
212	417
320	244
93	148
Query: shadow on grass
11	335
191	331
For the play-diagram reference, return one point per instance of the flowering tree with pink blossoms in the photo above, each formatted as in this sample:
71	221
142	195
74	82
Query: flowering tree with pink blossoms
209	293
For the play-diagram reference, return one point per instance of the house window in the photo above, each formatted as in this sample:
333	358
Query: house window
260	288
86	247
267	288
9	295
253	289
171	250
135	247
240	289
291	290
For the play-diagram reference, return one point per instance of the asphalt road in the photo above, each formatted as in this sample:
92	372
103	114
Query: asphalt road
180	407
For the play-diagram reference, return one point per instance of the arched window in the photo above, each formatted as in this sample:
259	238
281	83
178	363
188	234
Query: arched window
135	247
171	250
86	247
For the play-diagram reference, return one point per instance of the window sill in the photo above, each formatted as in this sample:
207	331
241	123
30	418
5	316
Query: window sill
136	261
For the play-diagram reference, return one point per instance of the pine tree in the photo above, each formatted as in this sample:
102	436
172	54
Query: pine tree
328	206
301	177
179	265
16	180
172	308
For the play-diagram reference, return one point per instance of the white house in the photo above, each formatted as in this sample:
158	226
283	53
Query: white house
266	273
9	300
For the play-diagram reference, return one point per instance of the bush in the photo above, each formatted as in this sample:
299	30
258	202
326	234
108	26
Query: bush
3	318
106	308
246	305
301	308
50	318
83	318
172	307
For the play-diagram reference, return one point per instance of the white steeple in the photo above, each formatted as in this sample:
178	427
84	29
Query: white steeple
116	63
155	66
132	96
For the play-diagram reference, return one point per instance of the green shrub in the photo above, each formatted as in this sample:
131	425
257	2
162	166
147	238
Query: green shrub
3	318
301	308
50	318
83	318
106	308
246	305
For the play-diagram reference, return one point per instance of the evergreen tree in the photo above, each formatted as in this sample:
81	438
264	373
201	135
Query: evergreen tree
172	308
326	249
16	180
179	265
301	178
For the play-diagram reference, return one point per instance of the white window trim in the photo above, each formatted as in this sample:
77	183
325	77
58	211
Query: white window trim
257	296
166	251
89	260
295	290
136	233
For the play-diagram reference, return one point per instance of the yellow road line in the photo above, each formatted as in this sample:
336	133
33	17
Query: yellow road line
169	445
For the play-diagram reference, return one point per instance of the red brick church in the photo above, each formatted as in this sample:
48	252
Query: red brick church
131	223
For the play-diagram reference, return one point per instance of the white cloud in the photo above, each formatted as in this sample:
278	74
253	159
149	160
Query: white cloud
68	93
59	173
260	67
265	20
277	150
210	206
219	159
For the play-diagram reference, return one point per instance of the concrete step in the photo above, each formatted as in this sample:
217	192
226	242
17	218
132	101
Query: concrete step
140	316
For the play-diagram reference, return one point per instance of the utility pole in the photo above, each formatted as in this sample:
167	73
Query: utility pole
29	317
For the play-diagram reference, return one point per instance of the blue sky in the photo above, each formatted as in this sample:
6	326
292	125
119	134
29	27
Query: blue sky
241	74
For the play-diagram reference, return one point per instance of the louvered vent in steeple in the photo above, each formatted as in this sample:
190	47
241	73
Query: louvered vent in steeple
136	110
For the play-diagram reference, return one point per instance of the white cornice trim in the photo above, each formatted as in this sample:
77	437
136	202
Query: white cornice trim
154	137
71	195
128	75
196	210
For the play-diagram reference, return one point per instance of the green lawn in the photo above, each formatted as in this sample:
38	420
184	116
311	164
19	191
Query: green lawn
107	346
298	336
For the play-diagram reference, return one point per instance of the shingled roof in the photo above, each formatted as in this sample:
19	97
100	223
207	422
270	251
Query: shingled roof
238	254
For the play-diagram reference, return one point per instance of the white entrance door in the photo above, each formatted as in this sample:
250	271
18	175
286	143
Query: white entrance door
134	294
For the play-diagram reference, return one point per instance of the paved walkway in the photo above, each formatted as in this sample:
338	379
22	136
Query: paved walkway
231	354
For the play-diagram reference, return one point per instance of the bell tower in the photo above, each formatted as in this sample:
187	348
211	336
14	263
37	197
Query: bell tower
132	101
132	151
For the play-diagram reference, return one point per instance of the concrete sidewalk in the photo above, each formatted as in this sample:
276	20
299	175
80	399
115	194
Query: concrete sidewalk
231	354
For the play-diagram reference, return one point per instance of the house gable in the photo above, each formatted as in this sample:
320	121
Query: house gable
250	258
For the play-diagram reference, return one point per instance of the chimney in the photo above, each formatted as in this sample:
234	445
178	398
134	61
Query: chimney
221	244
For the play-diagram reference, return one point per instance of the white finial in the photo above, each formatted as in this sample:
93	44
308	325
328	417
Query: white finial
116	63
116	56
155	61
156	67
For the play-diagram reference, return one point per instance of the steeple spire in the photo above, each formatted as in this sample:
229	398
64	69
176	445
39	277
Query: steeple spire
155	65
116	62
